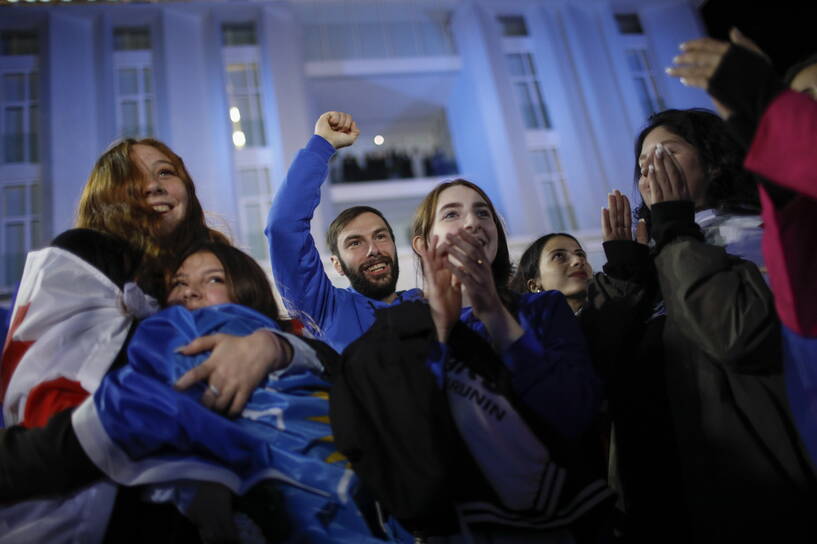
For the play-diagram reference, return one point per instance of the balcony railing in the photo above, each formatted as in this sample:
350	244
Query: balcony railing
391	164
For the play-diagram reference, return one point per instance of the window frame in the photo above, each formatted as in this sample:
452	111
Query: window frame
139	60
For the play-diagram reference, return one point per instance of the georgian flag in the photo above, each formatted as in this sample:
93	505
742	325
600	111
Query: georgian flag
139	430
68	323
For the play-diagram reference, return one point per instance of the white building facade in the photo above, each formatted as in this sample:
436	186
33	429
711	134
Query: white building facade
537	101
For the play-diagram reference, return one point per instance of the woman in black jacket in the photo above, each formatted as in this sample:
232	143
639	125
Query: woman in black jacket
717	361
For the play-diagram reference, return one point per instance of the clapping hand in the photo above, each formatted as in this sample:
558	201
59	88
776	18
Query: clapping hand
441	288
472	267
469	263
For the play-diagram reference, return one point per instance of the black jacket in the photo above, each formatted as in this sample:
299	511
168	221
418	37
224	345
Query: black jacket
743	470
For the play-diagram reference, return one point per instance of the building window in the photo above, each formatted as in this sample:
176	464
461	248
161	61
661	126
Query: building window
244	97
135	101
19	42
382	39
20	226
552	187
133	72
237	34
19	153
252	156
527	90
20	115
628	23
254	201
638	61
131	38
639	64
542	141
513	25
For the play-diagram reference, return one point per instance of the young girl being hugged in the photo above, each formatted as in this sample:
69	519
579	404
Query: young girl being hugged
138	430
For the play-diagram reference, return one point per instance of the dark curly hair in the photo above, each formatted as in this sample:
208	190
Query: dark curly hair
730	187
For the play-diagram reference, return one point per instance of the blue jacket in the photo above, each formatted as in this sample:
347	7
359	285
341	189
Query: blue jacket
140	431
549	364
337	316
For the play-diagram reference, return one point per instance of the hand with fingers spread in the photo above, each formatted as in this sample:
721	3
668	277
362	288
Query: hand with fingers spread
235	367
441	288
337	128
616	220
700	59
472	267
665	178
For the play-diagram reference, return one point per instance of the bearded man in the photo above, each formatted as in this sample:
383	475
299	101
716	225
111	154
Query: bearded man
360	239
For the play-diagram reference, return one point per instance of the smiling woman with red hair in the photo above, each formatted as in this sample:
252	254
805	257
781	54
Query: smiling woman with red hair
75	310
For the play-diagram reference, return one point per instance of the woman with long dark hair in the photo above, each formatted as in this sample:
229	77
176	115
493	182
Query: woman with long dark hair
710	348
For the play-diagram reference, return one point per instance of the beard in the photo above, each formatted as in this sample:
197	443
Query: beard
377	290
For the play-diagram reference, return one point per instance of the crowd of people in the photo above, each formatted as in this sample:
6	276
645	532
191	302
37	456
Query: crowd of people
153	390
382	165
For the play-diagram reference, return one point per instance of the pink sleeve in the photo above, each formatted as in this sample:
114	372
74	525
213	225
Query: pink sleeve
784	148
784	151
789	241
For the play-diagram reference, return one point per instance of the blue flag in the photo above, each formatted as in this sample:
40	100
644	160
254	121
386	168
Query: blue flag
139	430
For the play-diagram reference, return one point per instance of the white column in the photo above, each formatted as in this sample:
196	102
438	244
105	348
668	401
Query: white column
193	95
70	97
486	129
290	120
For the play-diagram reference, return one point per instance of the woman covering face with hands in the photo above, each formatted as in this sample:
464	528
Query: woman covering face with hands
776	119
706	367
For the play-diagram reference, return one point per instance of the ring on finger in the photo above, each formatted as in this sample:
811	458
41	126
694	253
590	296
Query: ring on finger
213	389
480	261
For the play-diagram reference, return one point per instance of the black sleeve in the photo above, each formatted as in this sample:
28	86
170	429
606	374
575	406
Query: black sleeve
628	261
746	83
43	460
112	256
328	357
673	219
